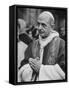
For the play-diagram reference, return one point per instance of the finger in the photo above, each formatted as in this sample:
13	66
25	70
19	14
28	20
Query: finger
37	58
37	62
33	67
30	59
34	63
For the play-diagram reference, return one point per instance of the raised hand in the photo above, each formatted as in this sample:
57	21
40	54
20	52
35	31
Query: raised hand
35	64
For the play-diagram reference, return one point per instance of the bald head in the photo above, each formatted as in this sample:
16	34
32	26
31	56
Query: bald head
46	17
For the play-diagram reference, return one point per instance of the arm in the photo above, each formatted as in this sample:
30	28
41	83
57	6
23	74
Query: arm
25	71
61	55
28	54
25	38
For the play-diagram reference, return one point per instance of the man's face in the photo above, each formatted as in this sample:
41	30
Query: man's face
43	29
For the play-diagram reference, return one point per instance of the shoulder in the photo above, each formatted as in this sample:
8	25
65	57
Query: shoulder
56	39
58	42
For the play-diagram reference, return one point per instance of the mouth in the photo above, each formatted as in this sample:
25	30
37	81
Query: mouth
41	32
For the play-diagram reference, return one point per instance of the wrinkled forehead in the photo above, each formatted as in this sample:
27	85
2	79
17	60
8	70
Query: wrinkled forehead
45	18
41	20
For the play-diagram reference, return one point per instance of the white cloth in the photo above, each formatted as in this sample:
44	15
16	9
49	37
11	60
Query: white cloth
25	73
47	72
21	49
44	42
51	72
41	54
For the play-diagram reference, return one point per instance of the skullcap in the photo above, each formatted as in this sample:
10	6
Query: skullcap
46	17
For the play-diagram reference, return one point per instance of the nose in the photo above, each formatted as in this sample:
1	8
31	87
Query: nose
40	27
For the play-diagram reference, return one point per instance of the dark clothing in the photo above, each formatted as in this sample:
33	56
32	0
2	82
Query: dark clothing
25	38
63	37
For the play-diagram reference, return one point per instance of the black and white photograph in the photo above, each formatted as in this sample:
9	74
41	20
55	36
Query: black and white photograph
41	44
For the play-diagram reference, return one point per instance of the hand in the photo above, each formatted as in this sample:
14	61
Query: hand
35	64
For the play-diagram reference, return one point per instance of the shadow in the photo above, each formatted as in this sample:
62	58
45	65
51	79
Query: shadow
7	81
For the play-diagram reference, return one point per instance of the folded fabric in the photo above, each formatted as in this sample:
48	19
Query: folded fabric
44	42
25	73
47	72
51	72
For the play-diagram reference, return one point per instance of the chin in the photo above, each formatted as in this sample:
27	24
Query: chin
43	35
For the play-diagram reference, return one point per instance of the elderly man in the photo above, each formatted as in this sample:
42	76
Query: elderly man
45	57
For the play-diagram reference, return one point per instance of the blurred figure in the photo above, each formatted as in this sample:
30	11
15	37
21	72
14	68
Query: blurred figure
21	26
23	36
29	31
62	29
21	45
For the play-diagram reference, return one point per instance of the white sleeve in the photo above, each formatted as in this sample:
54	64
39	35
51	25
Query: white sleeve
25	73
51	72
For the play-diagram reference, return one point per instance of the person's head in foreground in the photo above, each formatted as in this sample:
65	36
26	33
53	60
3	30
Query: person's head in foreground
45	23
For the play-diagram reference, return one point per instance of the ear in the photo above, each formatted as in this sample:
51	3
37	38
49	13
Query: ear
52	23
53	26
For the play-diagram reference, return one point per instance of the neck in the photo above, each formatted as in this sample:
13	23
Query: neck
44	37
